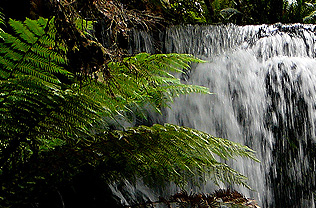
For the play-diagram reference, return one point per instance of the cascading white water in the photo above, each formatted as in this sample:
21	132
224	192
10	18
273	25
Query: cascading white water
264	80
264	83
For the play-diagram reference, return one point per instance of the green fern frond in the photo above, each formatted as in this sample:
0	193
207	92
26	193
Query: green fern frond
23	31
176	153
2	22
309	18
31	50
33	105
145	79
8	65
47	42
11	55
35	27
14	43
48	110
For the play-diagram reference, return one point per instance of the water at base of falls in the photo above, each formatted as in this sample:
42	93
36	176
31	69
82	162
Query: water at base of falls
264	84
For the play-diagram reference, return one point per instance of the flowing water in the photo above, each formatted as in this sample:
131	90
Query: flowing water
264	84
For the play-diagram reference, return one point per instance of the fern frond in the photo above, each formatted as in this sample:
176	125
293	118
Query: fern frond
23	31
143	79
309	18
14	43
47	41
45	110
8	65
2	22
31	50
175	153
11	55
35	27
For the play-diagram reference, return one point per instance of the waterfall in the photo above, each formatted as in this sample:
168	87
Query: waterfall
264	83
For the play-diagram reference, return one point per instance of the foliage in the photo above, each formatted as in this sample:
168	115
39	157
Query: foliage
189	11
241	12
85	26
30	65
33	48
175	153
54	122
1	23
38	112
300	11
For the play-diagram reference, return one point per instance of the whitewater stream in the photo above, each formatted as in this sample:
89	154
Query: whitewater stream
264	83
